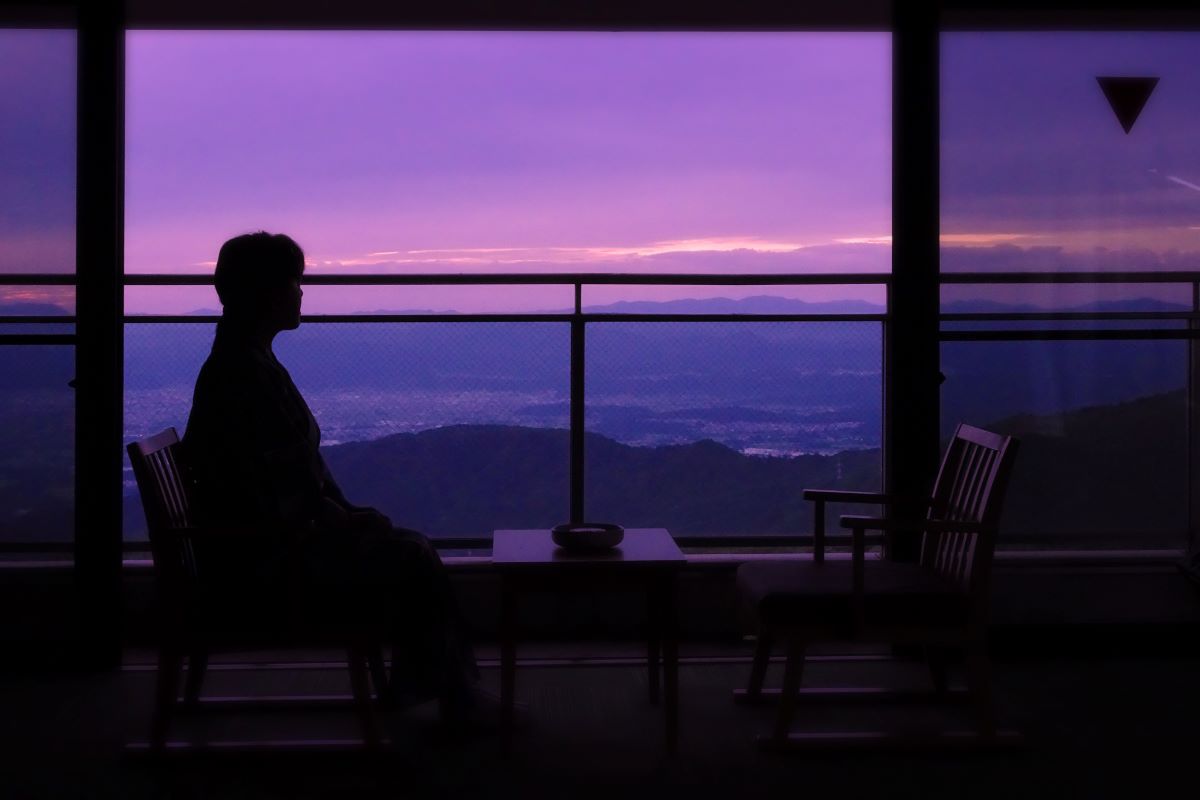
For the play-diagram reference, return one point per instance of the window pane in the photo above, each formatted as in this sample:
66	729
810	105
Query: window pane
1037	171
454	429
37	235
715	428
37	153
37	443
1041	174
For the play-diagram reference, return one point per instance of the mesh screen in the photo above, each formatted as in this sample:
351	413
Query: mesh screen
37	443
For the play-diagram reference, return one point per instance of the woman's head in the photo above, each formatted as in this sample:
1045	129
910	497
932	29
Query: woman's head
258	278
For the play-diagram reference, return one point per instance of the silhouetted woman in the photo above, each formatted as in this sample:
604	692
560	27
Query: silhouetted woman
255	447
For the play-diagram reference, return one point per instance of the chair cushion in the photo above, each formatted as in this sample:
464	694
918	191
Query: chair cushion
265	612
805	592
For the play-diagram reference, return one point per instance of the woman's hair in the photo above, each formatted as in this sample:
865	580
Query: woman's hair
251	266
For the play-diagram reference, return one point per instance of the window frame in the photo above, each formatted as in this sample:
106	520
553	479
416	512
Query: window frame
910	430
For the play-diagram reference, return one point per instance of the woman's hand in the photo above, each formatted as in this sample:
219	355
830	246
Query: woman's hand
330	514
367	518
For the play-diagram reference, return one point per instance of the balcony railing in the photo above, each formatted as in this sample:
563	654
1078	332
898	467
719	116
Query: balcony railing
957	327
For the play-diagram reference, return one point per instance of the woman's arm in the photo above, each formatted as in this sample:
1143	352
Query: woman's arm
355	516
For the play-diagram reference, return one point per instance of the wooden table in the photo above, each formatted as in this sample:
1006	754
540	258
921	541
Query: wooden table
647	560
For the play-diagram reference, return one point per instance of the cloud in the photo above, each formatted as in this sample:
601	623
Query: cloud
61	296
712	255
985	239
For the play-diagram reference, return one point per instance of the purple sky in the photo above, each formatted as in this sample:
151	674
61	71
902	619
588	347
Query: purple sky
453	152
37	151
512	152
1037	173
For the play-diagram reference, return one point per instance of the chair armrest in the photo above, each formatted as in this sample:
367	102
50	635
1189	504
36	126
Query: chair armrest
839	496
859	522
221	532
820	497
841	538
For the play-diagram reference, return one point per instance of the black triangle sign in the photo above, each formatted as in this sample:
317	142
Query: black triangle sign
1127	96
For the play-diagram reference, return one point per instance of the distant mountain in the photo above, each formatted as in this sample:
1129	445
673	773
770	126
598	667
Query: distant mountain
1099	471
472	479
33	310
757	304
1098	474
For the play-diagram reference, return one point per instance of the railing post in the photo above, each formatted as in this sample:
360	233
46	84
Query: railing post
577	395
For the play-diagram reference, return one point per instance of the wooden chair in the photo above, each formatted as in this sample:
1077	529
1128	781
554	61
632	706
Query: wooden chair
940	602
195	617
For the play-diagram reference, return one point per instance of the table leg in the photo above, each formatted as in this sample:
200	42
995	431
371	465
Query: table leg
653	640
508	661
670	640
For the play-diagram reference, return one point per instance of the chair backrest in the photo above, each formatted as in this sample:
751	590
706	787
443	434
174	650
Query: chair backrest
165	488
970	487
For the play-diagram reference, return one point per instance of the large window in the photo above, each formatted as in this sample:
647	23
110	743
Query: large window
394	154
1070	250
37	293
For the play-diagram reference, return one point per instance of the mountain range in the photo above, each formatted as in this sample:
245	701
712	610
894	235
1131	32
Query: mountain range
1113	411
1101	472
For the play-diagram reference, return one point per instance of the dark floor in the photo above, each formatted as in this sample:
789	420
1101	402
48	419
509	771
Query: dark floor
1093	727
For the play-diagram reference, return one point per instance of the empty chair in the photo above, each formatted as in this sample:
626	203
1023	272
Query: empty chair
940	601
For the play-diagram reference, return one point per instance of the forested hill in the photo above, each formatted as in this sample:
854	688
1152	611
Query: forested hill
1103	469
470	479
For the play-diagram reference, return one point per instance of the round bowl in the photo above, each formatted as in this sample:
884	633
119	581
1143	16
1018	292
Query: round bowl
587	535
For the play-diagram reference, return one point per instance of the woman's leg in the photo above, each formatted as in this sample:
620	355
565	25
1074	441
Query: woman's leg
431	653
395	577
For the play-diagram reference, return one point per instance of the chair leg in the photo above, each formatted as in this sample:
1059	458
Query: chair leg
170	665
356	659
979	676
653	646
378	669
793	672
197	666
758	671
935	657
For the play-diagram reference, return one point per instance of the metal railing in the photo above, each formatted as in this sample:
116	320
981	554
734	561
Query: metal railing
1185	326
